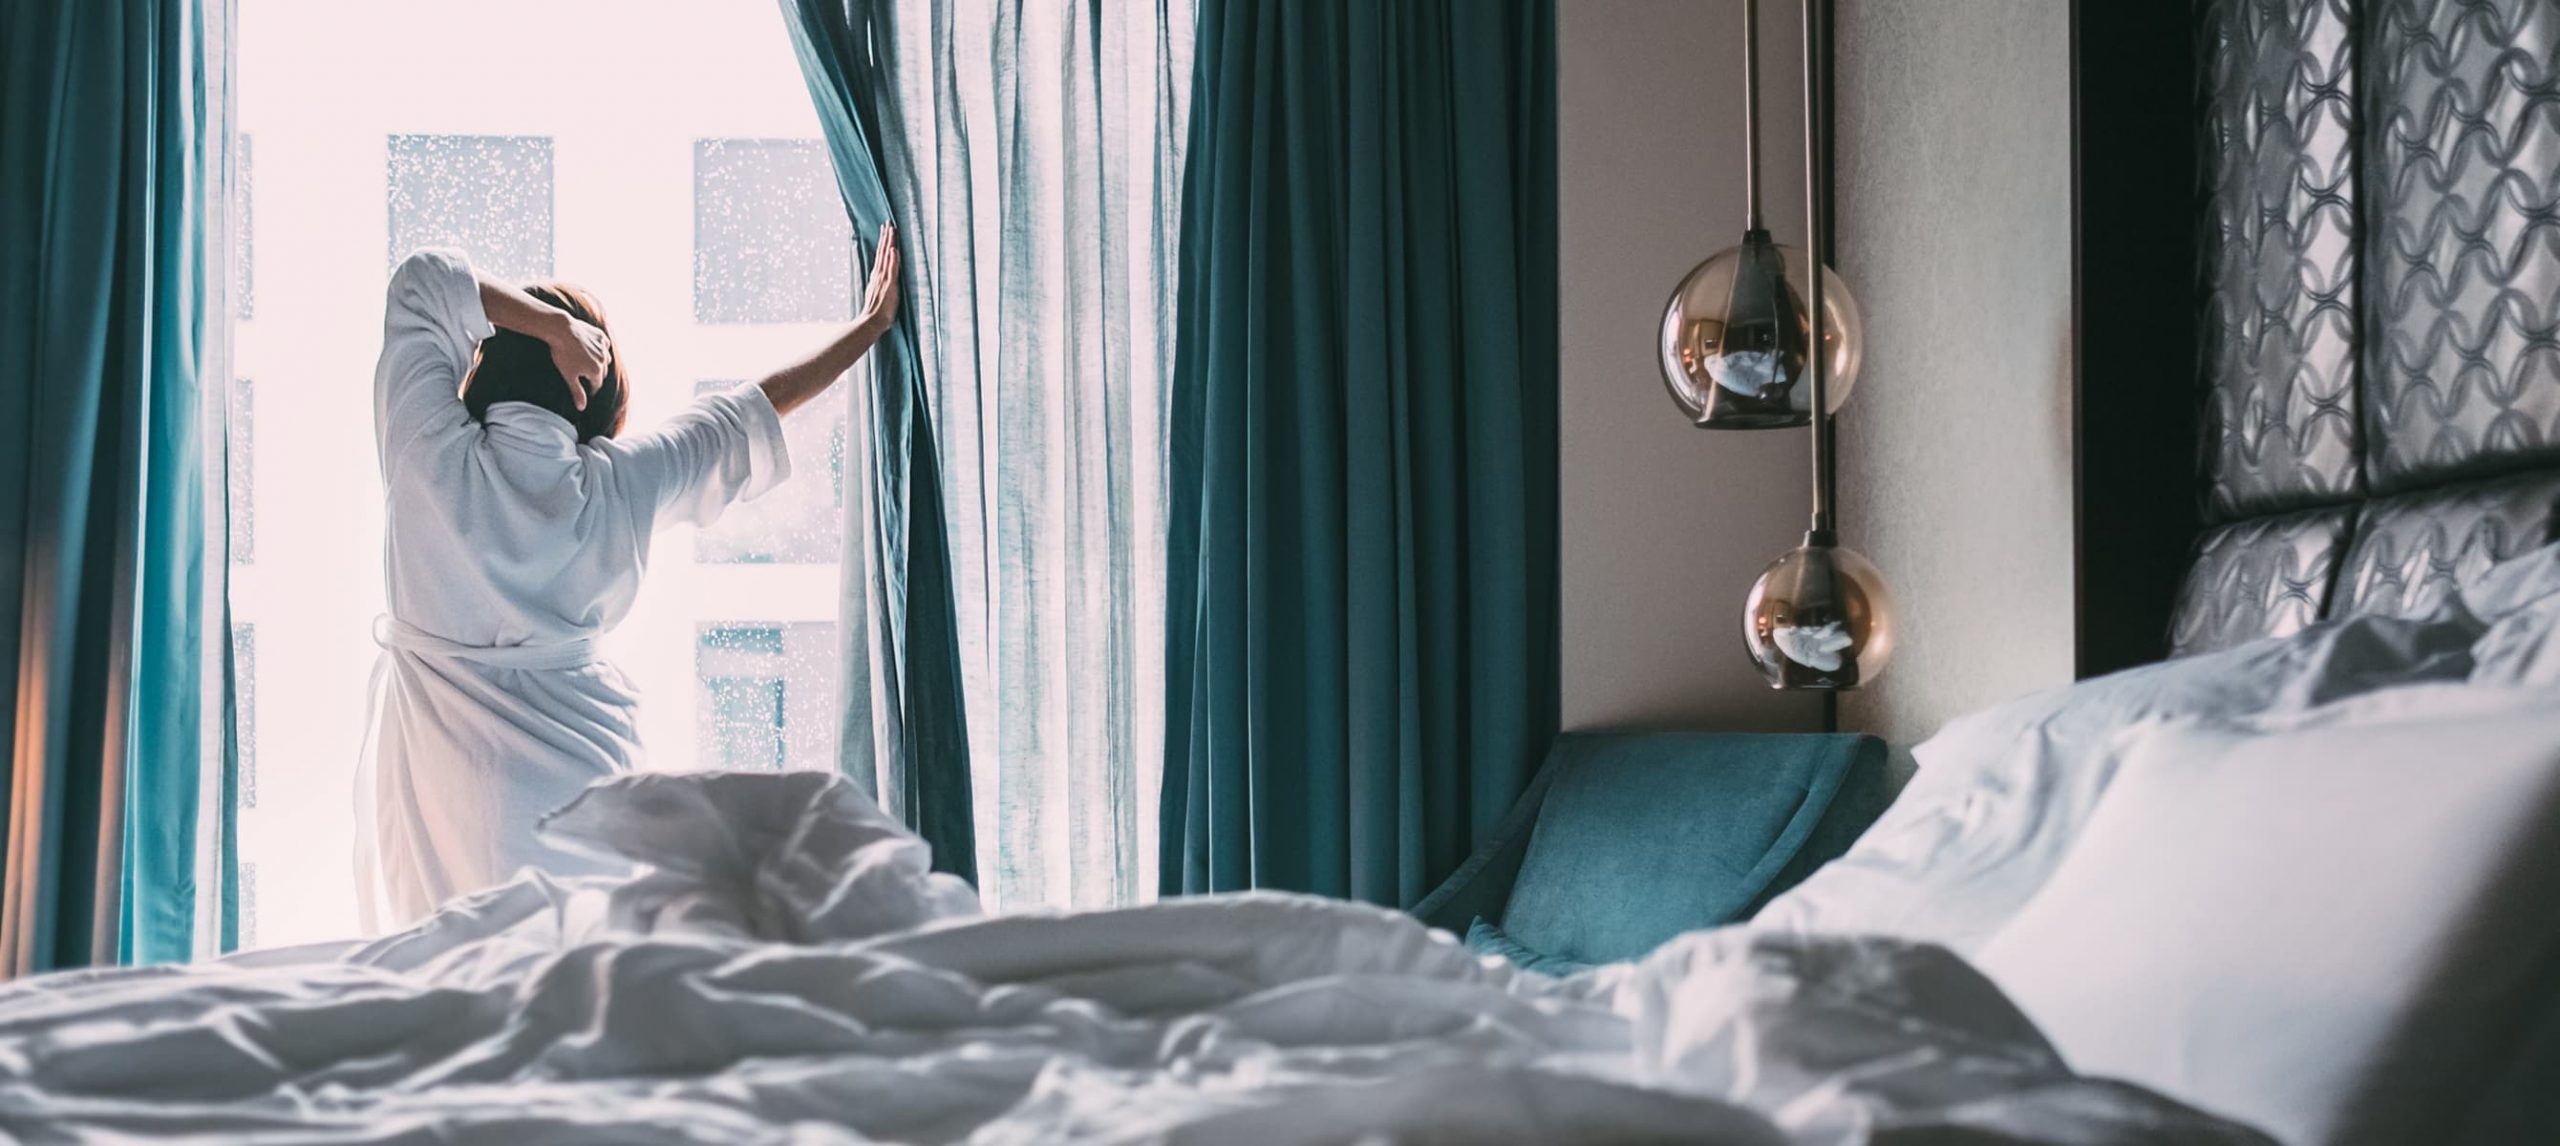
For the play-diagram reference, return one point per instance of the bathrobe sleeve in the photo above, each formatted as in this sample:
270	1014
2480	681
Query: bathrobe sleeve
432	322
726	448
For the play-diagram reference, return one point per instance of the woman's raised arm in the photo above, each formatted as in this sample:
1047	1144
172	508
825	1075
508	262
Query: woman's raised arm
579	351
793	386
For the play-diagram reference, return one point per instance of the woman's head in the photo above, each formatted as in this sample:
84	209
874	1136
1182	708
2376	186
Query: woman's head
517	368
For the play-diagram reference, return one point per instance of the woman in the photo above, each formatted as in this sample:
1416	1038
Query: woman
518	522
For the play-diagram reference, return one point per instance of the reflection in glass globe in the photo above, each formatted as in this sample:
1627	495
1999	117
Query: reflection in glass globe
1733	338
1819	617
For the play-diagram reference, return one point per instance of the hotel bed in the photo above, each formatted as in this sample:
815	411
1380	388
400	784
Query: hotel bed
2294	890
2291	884
789	972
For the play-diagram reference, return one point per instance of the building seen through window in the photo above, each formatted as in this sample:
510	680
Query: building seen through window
244	229
771	240
244	716
802	520
487	195
766	696
240	464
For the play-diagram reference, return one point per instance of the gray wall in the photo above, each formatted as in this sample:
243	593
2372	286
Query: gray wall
1664	525
1954	164
1954	152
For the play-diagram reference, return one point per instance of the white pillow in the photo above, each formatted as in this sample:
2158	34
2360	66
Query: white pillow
2522	648
2512	584
2521	600
2327	930
2000	794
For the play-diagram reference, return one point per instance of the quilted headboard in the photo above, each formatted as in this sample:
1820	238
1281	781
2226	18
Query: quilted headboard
2380	333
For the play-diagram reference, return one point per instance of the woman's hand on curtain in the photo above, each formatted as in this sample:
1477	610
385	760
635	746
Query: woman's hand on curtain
793	386
880	297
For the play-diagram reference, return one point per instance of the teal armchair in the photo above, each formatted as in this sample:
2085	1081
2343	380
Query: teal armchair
1624	840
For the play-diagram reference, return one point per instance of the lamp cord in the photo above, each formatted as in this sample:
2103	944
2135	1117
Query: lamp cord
1818	256
1751	113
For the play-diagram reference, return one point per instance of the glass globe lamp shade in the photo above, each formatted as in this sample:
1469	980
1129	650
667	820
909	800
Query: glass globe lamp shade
1734	336
1819	617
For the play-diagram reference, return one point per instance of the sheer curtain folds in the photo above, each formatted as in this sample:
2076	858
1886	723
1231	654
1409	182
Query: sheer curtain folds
905	732
111	137
1034	158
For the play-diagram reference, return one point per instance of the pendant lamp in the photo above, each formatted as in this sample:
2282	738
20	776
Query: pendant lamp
1753	340
1735	332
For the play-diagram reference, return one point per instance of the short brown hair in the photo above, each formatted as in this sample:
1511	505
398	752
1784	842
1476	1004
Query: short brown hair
517	368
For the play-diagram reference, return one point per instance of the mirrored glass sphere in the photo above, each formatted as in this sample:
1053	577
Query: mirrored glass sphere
1734	335
1819	617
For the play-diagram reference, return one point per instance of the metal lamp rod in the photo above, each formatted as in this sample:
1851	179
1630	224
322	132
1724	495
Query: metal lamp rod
1818	252
1751	114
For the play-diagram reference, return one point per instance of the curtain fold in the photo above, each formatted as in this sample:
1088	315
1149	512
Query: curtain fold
905	730
111	134
1034	155
1361	577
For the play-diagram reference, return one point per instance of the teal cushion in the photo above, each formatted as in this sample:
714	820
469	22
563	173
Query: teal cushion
1644	836
1488	939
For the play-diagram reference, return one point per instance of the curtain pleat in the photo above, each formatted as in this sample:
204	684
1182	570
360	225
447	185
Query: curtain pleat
904	722
1033	151
110	138
1361	576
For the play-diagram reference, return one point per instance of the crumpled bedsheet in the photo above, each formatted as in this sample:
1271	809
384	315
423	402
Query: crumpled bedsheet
785	969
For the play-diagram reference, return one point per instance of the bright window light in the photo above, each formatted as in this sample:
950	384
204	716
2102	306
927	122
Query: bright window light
669	162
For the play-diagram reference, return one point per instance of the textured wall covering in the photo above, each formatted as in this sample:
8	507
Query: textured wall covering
1664	526
2381	256
2409	551
2281	257
2465	171
2261	577
1953	138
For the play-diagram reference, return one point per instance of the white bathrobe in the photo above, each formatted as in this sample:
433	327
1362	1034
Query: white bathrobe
509	549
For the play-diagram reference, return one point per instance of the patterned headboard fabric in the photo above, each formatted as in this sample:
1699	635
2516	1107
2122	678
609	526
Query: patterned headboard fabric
2381	288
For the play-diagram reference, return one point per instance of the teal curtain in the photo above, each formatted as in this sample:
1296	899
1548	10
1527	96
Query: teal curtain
905	726
111	126
1361	591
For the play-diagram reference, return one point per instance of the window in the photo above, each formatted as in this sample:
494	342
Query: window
489	195
700	208
250	910
802	520
771	241
244	233
766	696
743	687
241	463
746	723
244	707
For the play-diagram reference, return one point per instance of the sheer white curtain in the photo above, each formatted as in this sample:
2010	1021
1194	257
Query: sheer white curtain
1035	151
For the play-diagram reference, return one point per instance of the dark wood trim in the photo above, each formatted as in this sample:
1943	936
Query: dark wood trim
2135	370
1828	202
1830	56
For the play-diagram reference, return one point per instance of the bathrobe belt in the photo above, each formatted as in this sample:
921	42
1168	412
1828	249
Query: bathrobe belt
573	652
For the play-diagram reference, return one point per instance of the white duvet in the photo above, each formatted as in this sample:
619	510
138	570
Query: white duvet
785	971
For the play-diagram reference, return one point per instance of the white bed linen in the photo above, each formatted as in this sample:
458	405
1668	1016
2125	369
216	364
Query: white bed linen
2521	599
787	972
1999	795
2326	923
